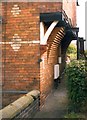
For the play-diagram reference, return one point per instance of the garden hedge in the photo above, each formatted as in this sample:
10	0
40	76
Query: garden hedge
76	85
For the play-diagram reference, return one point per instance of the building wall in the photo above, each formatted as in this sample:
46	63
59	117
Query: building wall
49	56
69	6
0	57
21	69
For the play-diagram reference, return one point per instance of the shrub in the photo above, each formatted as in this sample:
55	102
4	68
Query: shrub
71	49
72	56
76	85
86	52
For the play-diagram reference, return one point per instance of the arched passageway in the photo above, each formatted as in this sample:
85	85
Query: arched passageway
33	61
56	103
53	49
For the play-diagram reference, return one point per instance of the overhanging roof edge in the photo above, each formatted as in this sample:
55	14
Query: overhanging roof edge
48	17
54	16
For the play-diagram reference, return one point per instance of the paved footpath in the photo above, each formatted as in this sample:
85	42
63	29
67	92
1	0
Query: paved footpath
56	103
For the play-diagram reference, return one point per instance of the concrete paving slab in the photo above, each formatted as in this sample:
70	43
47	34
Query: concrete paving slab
56	103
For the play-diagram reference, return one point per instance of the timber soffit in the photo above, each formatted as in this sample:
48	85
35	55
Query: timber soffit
47	18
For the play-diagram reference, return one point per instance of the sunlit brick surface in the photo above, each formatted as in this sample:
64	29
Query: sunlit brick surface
22	69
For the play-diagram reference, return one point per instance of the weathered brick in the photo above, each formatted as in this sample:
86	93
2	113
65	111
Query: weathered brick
22	69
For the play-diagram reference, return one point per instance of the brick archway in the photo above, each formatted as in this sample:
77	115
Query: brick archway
50	54
57	44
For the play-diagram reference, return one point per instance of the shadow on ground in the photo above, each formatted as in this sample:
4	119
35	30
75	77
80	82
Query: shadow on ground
56	103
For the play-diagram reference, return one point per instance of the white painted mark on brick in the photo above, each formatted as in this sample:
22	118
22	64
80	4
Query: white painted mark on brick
15	44
30	42
15	10
23	42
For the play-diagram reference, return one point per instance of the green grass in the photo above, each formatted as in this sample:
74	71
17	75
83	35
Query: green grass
74	115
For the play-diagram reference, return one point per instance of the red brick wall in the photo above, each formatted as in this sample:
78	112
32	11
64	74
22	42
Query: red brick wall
69	6
49	56
21	70
19	74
